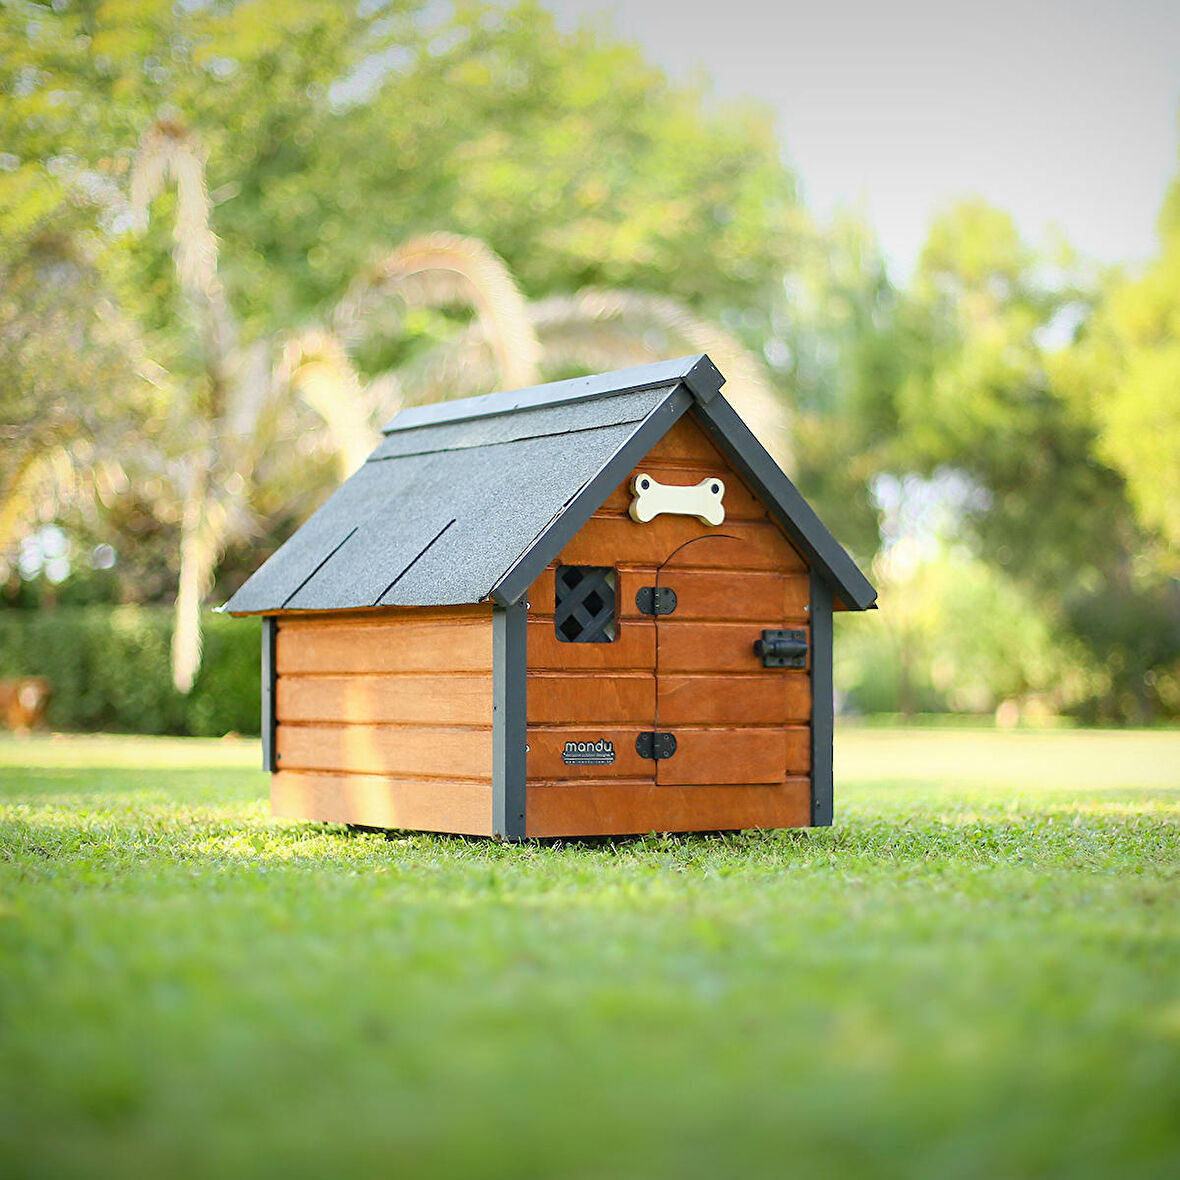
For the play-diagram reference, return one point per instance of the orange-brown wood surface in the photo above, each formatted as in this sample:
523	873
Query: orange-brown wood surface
734	699
547	743
384	718
406	700
740	728
630	807
541	600
686	444
616	540
399	751
591	699
739	755
704	755
634	647
687	646
740	502
461	644
380	802
735	595
721	595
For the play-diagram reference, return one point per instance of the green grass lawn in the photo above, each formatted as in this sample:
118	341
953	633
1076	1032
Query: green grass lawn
975	973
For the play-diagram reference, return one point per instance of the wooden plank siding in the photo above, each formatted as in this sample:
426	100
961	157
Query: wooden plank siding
743	731
385	719
710	754
381	802
626	807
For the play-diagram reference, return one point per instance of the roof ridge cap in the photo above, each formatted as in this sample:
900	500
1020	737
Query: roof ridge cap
697	372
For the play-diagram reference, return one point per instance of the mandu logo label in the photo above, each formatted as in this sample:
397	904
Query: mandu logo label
599	753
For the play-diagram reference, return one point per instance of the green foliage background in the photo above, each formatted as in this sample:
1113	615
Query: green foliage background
1045	385
109	670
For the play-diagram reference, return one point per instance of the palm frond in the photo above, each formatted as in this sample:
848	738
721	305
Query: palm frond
602	329
168	151
441	269
200	549
318	369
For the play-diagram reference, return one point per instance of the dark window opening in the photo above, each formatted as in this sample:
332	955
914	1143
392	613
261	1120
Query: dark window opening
584	604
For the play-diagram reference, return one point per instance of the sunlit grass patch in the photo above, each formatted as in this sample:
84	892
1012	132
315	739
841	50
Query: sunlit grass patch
963	977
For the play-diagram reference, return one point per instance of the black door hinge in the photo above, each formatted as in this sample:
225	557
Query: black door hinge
655	600
655	745
782	649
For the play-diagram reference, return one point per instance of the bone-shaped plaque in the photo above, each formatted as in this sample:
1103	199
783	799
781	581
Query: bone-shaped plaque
702	500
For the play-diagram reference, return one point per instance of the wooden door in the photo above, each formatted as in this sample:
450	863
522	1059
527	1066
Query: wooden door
734	720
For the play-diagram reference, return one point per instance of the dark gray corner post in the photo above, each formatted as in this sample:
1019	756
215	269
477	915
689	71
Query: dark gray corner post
704	379
822	706
509	729
270	627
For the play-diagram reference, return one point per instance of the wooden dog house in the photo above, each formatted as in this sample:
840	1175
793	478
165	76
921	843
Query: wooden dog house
591	607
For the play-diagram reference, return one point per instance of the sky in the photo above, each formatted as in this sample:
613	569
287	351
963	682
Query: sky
1063	112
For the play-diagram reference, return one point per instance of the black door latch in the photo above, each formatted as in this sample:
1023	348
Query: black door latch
655	600
782	649
655	745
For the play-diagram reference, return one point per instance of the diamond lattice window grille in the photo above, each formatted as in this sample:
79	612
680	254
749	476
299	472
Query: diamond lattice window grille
584	604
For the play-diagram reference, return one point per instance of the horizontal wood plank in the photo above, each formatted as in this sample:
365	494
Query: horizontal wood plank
590	700
725	756
617	541
713	647
411	700
398	751
373	801
634	647
632	808
735	754
404	646
716	595
547	743
719	595
734	699
686	441
629	580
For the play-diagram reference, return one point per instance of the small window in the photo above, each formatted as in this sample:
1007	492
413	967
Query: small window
584	604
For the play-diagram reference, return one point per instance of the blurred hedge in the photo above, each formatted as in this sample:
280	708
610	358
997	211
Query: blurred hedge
109	669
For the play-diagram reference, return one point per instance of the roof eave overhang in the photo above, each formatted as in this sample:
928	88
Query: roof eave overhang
753	462
513	584
810	535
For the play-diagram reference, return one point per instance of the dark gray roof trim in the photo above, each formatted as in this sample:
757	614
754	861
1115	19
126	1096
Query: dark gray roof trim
697	372
736	441
563	527
542	422
472	500
442	522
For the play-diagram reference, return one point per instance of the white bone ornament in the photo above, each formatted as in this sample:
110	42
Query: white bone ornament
702	500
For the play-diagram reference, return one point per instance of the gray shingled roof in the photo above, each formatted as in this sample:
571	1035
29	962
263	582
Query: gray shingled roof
470	500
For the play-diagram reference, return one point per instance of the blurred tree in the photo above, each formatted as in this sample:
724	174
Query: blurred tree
223	426
984	325
838	340
1125	377
329	131
332	129
67	381
918	656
